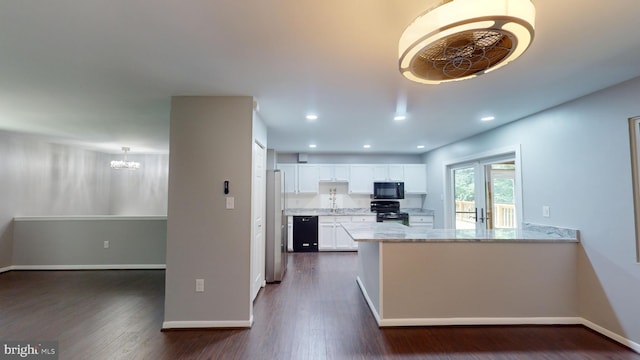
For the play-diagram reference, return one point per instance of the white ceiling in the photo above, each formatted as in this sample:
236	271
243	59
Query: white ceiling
101	73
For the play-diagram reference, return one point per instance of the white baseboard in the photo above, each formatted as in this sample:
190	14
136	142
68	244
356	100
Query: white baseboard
368	299
167	325
610	334
504	321
482	321
91	267
495	321
6	268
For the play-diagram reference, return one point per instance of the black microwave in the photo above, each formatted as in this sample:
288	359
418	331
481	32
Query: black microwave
388	190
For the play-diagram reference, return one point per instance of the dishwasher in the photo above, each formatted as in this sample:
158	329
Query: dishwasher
305	233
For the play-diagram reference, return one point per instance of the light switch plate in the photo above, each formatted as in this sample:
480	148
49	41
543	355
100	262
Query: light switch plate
545	211
230	202
199	285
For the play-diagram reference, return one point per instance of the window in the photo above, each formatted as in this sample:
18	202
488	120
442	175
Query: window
484	192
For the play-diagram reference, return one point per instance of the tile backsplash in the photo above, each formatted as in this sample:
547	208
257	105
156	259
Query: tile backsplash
343	198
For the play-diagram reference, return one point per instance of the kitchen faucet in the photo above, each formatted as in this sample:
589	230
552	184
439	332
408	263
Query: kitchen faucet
332	198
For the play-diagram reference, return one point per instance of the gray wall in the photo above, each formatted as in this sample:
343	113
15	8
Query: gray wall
68	243
575	159
211	141
42	178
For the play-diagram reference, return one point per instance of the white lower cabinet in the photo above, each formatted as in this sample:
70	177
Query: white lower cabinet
331	235
342	237
343	240
326	233
421	221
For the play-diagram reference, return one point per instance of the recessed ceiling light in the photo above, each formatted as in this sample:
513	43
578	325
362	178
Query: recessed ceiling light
313	146
399	117
488	118
420	146
366	146
312	117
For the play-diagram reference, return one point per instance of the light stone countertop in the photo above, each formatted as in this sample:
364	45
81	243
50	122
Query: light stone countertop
394	232
350	212
328	212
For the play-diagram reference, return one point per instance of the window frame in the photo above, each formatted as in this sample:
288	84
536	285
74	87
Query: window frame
509	152
634	141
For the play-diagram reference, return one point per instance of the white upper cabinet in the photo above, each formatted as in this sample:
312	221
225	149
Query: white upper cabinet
308	178
330	172
380	172
341	172
415	179
325	172
396	173
383	172
361	179
290	177
305	178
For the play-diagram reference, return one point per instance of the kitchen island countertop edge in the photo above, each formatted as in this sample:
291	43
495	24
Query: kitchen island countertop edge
394	232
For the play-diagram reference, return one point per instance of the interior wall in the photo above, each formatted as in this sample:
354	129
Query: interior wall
575	159
292	158
42	178
77	243
140	192
211	141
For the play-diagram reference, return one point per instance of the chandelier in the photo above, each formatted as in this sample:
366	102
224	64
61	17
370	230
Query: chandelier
461	39
124	163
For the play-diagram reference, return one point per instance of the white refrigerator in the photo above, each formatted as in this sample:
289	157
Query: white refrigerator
276	228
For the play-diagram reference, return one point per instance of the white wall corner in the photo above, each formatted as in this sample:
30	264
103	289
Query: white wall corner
7	268
610	334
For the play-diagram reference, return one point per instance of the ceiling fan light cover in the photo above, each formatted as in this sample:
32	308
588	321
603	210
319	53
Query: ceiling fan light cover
461	39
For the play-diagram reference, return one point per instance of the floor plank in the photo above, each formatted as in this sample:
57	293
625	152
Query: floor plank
317	312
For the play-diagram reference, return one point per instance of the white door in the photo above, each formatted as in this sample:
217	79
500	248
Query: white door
258	245
484	194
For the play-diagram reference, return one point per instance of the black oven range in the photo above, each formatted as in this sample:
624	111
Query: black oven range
389	210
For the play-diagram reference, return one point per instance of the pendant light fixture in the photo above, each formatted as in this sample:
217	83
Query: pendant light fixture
124	163
461	39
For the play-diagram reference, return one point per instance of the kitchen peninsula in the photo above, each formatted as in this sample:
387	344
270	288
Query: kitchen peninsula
418	277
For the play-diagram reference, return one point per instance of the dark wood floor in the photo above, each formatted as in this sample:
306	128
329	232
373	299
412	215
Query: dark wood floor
318	312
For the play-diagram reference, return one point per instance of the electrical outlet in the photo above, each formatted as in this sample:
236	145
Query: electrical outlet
545	211
106	244
199	285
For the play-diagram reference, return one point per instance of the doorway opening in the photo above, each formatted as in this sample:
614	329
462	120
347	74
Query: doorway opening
484	192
